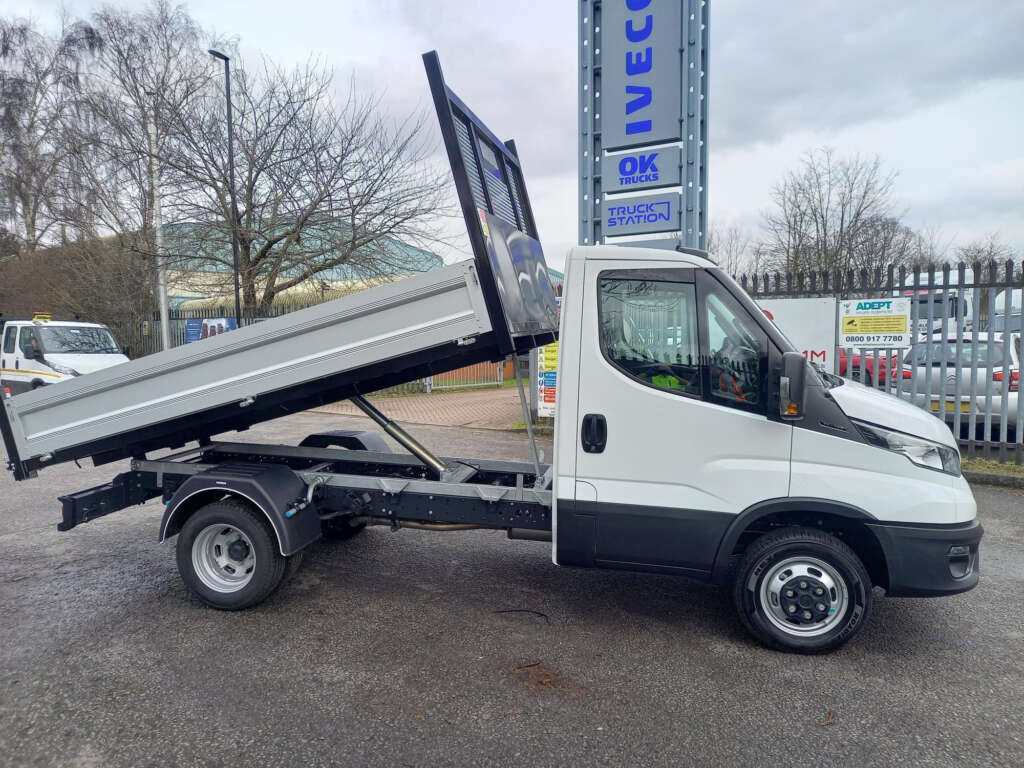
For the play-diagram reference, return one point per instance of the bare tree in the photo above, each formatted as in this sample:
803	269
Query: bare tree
39	78
985	249
321	185
931	248
883	241
324	185
149	71
731	247
827	211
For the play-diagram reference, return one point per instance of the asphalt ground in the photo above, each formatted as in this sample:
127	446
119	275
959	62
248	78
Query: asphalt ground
420	649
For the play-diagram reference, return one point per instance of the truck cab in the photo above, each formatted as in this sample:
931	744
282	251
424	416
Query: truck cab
944	303
679	449
41	351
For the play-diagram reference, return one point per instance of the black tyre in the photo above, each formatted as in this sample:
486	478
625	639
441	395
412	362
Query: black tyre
802	590
291	565
340	529
228	556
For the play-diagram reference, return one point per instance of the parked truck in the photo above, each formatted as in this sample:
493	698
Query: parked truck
690	437
42	351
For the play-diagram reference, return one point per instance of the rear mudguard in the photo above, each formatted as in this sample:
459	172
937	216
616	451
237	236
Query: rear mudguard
273	489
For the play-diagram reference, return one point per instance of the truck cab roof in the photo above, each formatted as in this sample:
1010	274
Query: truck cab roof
685	258
75	323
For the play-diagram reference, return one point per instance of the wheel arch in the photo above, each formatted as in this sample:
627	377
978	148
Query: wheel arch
846	521
179	510
272	490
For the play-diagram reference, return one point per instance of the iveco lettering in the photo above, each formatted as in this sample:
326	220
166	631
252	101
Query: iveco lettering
639	62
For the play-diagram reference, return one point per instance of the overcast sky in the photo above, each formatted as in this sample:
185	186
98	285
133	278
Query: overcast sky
934	87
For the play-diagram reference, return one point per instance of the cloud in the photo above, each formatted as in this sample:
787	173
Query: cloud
935	88
826	66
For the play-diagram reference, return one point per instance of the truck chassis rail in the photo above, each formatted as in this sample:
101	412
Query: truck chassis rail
397	487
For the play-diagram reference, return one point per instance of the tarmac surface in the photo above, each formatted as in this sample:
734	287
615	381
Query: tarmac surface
416	648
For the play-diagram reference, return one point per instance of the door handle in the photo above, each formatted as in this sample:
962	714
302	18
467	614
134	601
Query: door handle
594	433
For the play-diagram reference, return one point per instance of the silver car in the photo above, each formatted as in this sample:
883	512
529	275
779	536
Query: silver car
932	367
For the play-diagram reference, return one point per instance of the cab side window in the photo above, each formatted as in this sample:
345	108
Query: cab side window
649	331
736	356
9	335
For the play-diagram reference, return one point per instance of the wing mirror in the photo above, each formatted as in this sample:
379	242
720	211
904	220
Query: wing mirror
32	352
792	386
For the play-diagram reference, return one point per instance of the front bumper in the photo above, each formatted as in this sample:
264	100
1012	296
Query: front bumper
930	561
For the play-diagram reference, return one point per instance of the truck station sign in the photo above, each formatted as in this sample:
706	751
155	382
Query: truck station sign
640	215
875	323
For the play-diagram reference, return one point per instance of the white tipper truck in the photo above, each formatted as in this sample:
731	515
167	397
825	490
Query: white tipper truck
690	437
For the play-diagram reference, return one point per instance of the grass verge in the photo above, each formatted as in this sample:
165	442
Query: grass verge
993	466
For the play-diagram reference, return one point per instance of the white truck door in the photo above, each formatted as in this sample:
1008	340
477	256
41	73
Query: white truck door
673	436
26	368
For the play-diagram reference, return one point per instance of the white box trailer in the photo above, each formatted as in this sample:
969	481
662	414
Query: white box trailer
691	438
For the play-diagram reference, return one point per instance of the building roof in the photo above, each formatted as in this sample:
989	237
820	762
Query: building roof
391	257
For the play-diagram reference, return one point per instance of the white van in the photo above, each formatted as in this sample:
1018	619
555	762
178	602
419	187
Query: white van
42	351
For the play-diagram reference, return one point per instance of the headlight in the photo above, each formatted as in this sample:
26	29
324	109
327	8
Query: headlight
922	452
62	369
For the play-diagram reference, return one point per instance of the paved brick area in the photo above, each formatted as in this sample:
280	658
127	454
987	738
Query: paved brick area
483	408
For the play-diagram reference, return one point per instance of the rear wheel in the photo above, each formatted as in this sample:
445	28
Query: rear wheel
802	590
228	556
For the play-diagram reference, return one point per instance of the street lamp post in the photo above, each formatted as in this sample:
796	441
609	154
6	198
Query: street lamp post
231	180
158	226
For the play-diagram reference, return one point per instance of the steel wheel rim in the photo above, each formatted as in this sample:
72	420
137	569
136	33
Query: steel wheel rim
223	558
786	577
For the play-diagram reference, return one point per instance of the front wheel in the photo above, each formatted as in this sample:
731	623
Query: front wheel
802	590
228	556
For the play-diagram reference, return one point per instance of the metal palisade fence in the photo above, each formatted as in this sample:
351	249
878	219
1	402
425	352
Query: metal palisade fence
144	339
963	364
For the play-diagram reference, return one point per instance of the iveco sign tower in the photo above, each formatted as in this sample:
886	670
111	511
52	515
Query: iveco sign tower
643	120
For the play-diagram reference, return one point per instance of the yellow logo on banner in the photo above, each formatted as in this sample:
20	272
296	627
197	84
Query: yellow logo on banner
882	324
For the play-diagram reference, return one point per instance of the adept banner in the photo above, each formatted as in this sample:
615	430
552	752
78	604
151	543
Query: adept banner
874	323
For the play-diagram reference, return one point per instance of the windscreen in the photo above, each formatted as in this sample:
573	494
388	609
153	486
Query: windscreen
940	307
70	339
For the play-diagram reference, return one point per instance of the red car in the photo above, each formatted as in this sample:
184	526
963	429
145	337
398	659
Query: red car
867	369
